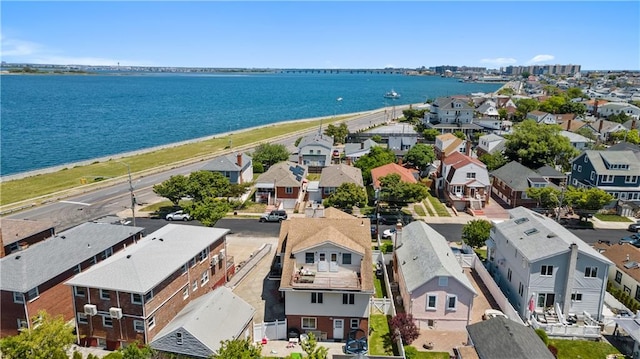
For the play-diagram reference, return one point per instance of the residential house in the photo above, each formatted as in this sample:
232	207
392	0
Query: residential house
604	128
542	117
552	175
447	143
432	284
315	150
616	172
138	291
281	185
488	109
632	124
237	167
450	114
490	144
400	137
353	151
573	124
615	108
579	142
327	274
32	279
406	174
542	267
19	234
501	338
465	182
511	181
198	330
624	274
504	101
333	176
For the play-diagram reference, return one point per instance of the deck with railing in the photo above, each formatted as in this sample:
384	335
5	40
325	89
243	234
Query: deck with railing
339	278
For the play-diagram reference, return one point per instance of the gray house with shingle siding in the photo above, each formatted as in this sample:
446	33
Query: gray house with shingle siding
200	327
501	338
334	176
536	261
237	167
315	150
616	172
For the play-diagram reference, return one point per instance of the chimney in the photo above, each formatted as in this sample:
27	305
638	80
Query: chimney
239	159
633	123
468	148
348	161
300	159
569	124
600	126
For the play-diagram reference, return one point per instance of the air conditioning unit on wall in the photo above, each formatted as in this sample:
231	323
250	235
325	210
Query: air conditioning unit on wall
116	313
90	309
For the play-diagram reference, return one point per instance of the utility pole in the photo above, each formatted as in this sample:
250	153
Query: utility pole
133	197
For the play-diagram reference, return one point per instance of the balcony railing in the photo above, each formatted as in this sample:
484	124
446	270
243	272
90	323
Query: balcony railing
341	278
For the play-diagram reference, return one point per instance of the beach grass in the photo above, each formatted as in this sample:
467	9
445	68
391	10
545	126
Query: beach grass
36	188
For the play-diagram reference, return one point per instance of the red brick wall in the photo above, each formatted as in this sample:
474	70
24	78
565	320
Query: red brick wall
35	238
10	314
280	192
325	324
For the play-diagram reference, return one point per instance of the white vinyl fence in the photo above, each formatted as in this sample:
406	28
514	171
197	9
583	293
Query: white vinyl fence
273	330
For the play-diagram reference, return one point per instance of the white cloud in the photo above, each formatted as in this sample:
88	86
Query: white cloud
15	47
541	58
499	61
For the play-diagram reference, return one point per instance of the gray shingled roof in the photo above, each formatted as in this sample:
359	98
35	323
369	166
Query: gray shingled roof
281	175
515	175
139	268
548	171
16	230
334	176
549	239
316	139
228	162
597	159
351	148
29	268
445	102
204	323
424	254
501	338
624	146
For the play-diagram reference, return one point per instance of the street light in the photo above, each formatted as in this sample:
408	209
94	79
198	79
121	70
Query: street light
133	198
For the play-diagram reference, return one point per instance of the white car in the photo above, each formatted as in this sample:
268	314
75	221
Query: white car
178	216
389	233
493	313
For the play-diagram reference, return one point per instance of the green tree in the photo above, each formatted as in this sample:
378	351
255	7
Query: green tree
552	104
587	199
376	138
503	114
339	133
507	91
547	197
209	210
346	196
460	135
493	160
414	116
525	75
269	154
48	338
310	346
524	106
204	184
586	132
136	350
394	191
258	167
575	92
238	349
536	144
476	232
376	157
420	156
619	118
172	189
430	134
297	141
573	107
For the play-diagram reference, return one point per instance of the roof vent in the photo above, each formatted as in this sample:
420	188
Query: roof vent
161	240
551	235
63	237
414	258
17	257
128	256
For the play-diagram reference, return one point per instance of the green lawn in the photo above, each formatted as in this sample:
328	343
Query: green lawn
482	253
377	284
432	355
441	210
70	178
611	218
572	349
380	337
429	210
419	210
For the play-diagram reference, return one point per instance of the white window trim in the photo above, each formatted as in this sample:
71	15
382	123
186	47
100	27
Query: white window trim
35	296
356	321
152	321
82	318
435	304
315	323
133	301
18	298
204	278
185	292
455	304
77	294
137	324
104	321
102	291
194	286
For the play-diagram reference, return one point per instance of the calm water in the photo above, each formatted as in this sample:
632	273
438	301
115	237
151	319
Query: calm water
50	120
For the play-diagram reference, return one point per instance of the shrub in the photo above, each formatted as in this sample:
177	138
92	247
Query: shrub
386	247
543	335
258	167
402	324
410	352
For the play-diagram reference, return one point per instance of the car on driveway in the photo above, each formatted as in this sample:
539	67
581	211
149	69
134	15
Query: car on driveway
388	233
634	227
492	313
178	216
633	239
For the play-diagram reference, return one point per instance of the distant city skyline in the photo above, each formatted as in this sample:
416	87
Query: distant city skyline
352	34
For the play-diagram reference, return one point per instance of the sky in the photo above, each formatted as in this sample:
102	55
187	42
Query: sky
325	34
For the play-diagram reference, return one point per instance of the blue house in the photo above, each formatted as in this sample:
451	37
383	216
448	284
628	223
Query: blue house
616	172
237	167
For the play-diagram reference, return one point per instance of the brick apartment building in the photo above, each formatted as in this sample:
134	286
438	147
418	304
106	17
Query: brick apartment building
18	234
32	279
134	294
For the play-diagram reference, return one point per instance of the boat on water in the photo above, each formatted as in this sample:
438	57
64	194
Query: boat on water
392	94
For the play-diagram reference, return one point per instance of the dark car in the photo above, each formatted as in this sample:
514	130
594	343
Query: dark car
632	239
634	227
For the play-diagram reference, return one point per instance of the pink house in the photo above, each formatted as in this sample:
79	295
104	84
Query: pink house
432	284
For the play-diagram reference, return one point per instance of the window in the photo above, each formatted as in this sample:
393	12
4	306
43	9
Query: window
203	255
107	253
77	269
346	258
579	168
354	323
194	286
576	297
79	291
316	298
618	277
451	302
152	322
546	270
179	338
204	278
148	296
348	298
185	292
82	318
184	268
443	281
105	294
308	323
432	301
309	258
288	190
607	178
136	298
138	326
22	323
192	262
471	175
107	321
18	297
591	272
94	260
521	289
509	274
33	294
630	179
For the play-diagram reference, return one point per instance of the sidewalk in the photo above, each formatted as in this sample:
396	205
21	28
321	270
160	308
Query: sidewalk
609	225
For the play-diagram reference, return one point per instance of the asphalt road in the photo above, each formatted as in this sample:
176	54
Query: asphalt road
452	232
71	211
